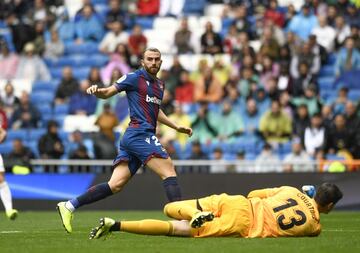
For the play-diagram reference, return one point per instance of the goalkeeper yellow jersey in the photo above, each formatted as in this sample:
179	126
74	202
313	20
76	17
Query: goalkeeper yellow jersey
283	211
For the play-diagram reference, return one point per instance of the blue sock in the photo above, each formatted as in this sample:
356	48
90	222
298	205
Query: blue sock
95	193
172	189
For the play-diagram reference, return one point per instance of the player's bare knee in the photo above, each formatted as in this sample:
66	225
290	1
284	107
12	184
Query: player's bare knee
2	178
116	185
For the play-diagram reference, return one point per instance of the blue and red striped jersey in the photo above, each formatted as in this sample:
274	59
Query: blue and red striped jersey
144	94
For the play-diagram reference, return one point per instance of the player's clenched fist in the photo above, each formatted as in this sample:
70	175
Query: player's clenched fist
92	89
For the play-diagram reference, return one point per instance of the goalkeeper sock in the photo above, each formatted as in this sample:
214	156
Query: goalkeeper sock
182	210
147	227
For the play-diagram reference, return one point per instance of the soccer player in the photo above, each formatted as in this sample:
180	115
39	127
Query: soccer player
139	145
273	212
5	193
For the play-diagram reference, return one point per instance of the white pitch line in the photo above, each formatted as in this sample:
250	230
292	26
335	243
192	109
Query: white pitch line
341	230
10	232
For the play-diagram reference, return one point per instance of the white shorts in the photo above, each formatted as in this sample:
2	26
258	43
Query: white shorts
2	168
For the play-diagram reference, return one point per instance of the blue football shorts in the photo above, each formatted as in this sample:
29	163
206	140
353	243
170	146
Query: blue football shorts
137	147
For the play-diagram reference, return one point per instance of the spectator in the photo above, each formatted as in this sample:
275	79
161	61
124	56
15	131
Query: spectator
50	145
327	116
198	154
65	27
325	34
112	38
232	96
184	92
262	100
229	123
303	23
211	41
80	102
88	27
339	104
3	117
11	102
275	125
314	135
175	71
241	21
26	115
221	71
107	121
352	118
183	38
348	58
304	80
171	150
285	81
55	47
231	40
119	61
331	15
180	118
39	41
292	42
167	105
21	32
116	14
94	77
285	102
137	43
355	33
301	121
42	12
242	48
298	160
78	144
340	137
251	117
269	45
79	153
19	156
305	55
203	127
268	70
67	87
342	31
317	49
8	62
310	99
267	161
274	14
31	66
148	7
208	88
218	155
352	16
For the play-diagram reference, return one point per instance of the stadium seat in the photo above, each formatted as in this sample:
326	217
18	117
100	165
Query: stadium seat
98	60
194	7
354	95
6	148
56	72
99	2
45	109
17	134
47	86
36	133
42	97
215	10
145	22
327	70
331	59
326	82
165	23
33	146
84	48
81	73
61	109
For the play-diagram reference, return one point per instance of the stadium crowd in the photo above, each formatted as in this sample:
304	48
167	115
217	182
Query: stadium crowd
273	80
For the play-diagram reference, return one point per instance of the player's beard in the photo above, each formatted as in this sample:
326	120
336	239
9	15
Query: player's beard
153	70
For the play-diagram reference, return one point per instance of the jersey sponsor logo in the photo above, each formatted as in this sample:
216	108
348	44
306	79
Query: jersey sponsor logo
147	140
154	100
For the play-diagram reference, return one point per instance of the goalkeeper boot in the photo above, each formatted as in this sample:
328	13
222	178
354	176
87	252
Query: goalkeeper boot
66	216
103	230
200	218
12	214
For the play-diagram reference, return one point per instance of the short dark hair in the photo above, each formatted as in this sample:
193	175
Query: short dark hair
152	49
328	193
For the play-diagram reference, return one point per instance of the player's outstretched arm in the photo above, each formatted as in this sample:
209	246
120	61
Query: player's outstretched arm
2	134
162	118
103	93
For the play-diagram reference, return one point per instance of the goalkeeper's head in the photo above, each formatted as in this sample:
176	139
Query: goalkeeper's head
327	195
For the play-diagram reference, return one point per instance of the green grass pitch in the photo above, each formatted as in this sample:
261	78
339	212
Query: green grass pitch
42	232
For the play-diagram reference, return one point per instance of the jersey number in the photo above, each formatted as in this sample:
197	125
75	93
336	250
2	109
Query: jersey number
156	141
293	222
